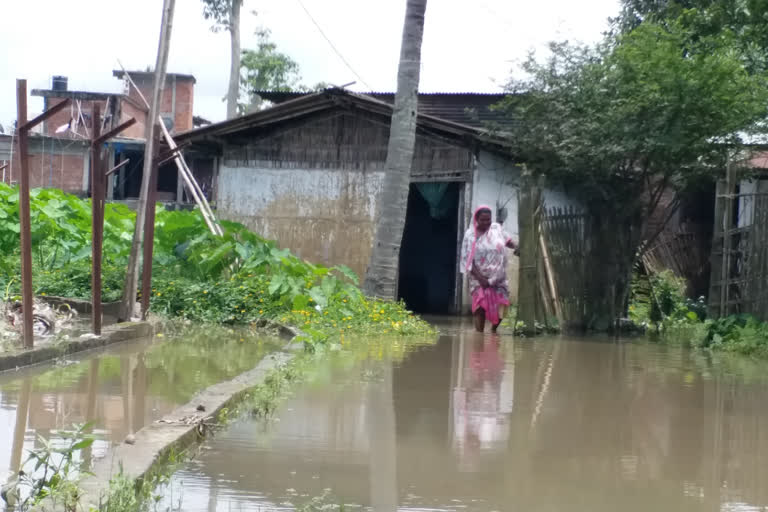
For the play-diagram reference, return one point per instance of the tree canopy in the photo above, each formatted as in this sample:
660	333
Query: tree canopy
635	109
219	12
745	20
621	123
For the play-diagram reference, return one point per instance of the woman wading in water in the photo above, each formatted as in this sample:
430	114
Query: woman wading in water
484	261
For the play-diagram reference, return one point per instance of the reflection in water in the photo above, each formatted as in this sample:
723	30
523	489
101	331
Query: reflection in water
383	448
483	395
481	423
118	391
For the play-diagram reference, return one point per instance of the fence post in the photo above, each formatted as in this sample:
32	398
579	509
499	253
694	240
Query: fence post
716	256
528	290
727	243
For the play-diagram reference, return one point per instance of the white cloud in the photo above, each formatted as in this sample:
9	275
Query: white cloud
465	48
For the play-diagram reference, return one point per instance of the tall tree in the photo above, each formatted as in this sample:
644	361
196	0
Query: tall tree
380	279
226	14
623	122
744	20
266	69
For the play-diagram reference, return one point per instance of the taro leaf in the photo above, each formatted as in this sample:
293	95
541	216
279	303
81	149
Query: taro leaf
300	302
348	273
276	284
317	295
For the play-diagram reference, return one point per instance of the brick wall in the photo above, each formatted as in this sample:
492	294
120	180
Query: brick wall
63	171
128	111
185	89
63	117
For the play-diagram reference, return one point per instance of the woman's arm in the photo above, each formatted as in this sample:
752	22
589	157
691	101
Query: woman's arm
480	278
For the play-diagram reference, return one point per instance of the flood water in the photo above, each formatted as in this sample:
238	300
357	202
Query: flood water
494	423
118	390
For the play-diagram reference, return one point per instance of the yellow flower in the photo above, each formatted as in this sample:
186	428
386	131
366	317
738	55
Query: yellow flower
159	294
43	294
205	291
261	311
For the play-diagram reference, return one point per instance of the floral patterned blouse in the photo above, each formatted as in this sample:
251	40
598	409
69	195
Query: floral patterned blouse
490	258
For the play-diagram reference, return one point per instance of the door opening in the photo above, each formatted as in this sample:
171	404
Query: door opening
427	281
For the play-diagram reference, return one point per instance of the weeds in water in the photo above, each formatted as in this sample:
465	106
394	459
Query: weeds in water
323	503
52	473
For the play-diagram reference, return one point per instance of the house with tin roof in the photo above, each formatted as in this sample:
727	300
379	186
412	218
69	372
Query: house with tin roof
308	171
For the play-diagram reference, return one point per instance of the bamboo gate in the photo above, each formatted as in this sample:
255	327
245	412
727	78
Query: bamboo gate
739	252
566	237
554	255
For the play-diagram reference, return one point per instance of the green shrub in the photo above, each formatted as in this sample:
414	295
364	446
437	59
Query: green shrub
237	278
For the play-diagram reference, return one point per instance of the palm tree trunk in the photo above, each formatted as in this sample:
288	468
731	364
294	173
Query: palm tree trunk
380	280
233	92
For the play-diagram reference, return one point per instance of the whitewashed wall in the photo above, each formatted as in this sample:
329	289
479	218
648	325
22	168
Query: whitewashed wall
328	215
322	215
496	182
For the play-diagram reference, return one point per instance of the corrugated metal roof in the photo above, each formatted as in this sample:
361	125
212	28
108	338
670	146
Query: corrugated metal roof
467	108
301	105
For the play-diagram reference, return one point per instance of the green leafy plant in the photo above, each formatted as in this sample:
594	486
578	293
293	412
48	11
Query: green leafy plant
238	278
53	472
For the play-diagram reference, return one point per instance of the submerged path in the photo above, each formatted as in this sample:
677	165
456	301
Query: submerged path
119	389
483	423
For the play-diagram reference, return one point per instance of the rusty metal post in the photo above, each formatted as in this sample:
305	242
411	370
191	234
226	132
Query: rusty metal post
149	230
97	225
24	217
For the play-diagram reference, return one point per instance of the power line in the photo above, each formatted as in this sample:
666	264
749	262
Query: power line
322	33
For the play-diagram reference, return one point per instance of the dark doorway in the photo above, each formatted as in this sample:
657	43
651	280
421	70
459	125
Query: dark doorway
427	281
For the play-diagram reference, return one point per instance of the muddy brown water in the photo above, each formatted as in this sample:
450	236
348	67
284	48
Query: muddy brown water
493	423
119	390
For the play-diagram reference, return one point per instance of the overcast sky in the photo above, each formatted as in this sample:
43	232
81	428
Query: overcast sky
468	45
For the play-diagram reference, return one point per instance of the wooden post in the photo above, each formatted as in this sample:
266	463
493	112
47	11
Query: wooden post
727	243
716	258
27	303
132	271
22	128
529	282
97	225
149	232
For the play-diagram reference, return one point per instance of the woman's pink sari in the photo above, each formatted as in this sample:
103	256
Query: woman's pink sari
486	252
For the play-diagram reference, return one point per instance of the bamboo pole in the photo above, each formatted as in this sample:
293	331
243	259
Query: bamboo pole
727	241
192	184
149	235
131	276
528	282
183	170
551	280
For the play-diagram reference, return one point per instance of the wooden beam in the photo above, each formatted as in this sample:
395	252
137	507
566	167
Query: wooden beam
114	131
117	167
42	117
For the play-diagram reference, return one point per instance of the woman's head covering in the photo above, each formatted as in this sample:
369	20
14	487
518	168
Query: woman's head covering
479	209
